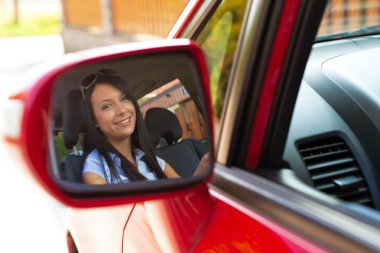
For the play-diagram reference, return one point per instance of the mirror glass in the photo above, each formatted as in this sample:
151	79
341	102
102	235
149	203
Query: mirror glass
130	119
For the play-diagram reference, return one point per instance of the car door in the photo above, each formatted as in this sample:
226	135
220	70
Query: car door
256	51
256	65
248	45
243	95
257	206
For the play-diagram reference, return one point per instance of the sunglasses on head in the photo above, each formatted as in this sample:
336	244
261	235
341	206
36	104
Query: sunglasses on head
89	80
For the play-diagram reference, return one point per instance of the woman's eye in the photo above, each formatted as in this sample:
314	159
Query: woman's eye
106	107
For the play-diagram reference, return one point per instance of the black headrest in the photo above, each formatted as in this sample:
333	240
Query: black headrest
73	118
162	123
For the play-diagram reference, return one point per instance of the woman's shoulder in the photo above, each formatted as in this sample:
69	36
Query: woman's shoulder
93	155
93	163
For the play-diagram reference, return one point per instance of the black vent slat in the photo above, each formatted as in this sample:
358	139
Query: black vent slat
335	173
331	163
350	194
319	147
334	170
325	187
324	155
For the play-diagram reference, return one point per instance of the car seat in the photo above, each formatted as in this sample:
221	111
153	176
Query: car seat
73	126
182	155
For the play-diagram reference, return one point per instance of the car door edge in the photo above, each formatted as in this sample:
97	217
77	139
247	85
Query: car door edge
318	220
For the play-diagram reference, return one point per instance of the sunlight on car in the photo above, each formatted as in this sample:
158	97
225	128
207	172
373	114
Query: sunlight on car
283	121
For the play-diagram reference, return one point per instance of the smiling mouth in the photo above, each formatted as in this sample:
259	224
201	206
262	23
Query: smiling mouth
124	122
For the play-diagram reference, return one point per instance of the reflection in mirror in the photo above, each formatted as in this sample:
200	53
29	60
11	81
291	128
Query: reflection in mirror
140	118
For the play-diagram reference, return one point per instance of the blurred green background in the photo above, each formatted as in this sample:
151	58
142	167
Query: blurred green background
30	17
37	26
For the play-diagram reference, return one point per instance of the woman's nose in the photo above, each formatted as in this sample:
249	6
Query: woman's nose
121	109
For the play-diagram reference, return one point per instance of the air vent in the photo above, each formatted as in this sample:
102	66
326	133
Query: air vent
334	170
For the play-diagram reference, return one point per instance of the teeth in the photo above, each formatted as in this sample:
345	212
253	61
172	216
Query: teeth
124	122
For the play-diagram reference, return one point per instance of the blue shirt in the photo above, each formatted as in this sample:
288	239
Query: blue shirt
97	164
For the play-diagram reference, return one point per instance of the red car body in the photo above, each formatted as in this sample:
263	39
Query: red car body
235	209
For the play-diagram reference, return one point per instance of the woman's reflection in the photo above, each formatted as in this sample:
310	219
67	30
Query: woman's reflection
116	130
122	151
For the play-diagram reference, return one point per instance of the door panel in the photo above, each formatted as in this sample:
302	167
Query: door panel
138	225
235	228
170	225
106	223
306	221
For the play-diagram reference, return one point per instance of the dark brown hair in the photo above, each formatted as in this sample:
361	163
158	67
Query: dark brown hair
139	138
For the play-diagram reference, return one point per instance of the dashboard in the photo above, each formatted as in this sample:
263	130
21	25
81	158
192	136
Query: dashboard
334	133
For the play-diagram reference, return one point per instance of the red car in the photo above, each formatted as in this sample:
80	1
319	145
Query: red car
289	117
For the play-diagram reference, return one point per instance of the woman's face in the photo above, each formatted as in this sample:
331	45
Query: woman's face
114	113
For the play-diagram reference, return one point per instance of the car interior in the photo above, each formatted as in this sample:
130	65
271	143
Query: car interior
183	155
163	101
334	132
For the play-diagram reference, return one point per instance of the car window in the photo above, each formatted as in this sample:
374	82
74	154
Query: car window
219	39
174	97
343	19
327	147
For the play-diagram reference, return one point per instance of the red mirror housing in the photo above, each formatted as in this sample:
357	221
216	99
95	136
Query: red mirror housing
29	113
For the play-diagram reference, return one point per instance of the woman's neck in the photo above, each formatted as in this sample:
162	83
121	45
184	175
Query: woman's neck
125	148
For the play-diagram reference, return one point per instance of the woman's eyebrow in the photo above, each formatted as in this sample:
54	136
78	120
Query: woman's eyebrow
105	100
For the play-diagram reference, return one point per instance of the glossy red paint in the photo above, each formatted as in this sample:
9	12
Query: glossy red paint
199	219
270	85
33	139
234	228
177	223
70	244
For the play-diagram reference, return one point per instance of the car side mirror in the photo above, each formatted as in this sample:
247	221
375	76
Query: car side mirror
55	124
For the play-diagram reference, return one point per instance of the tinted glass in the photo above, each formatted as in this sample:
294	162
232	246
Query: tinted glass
219	41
